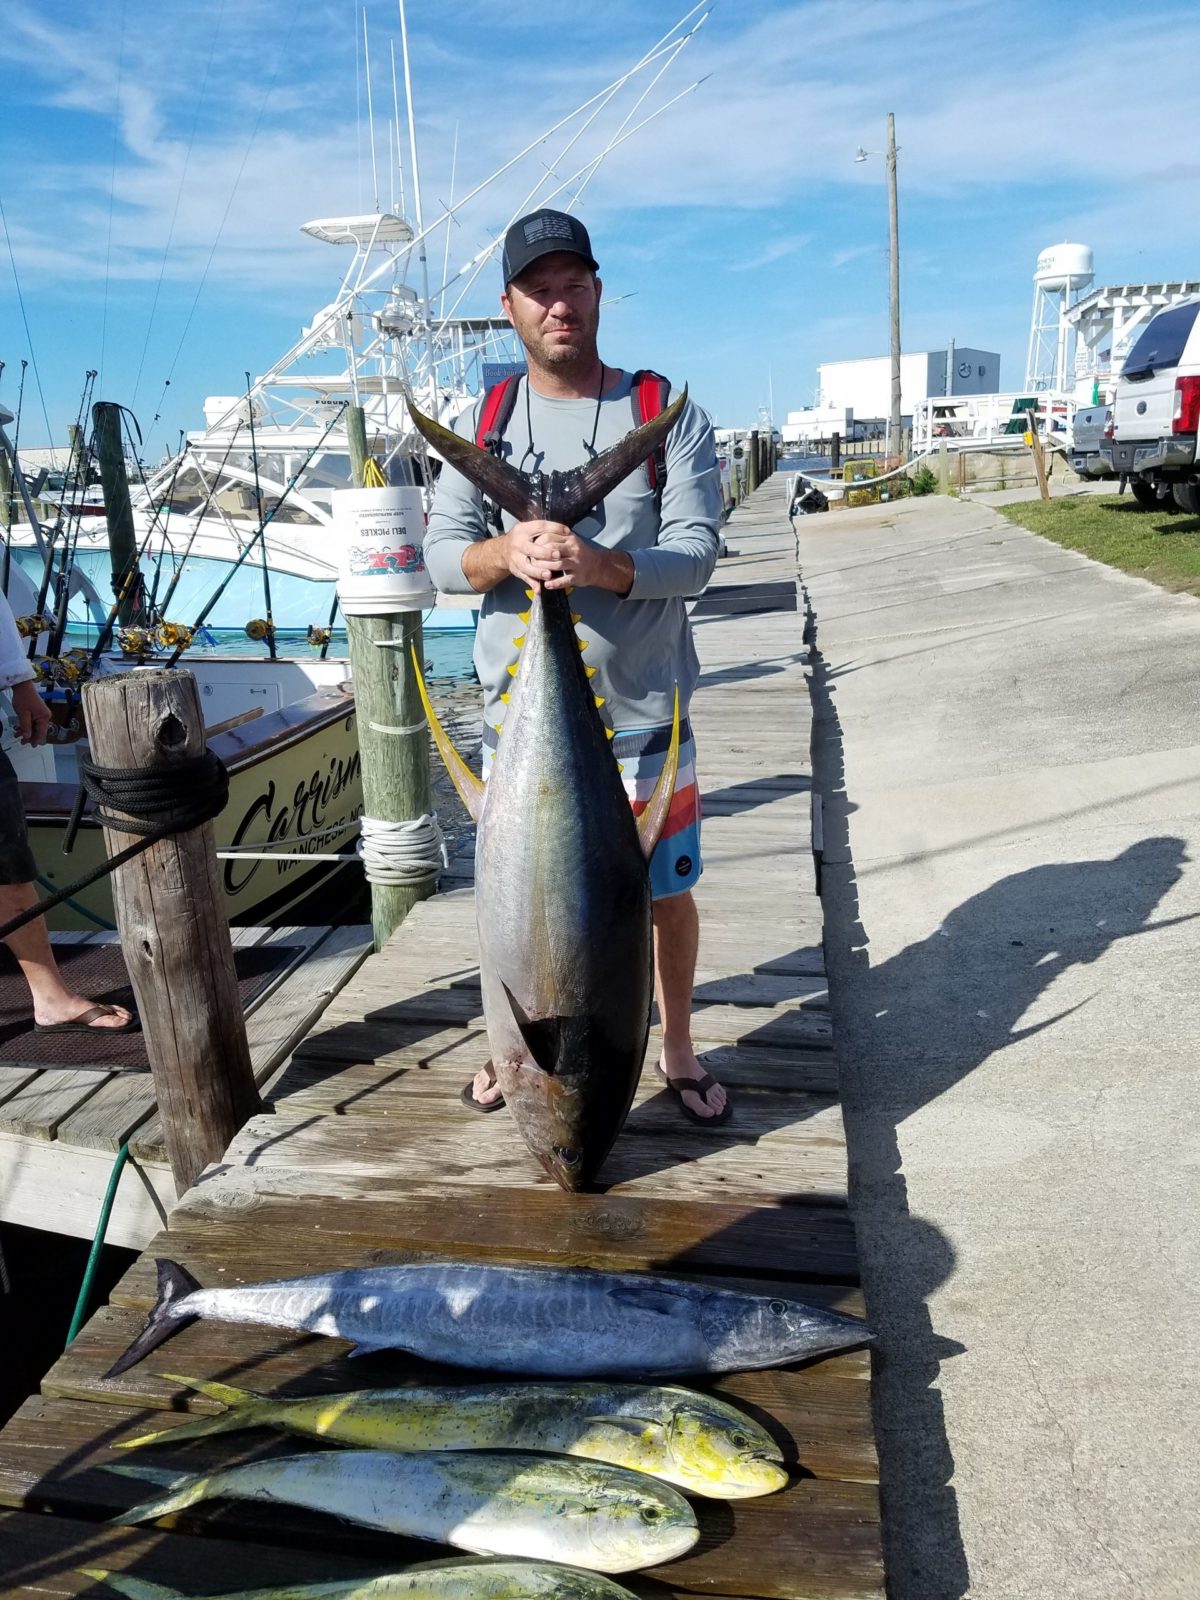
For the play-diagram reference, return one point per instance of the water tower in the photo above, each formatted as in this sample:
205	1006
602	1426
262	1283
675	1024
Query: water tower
1063	273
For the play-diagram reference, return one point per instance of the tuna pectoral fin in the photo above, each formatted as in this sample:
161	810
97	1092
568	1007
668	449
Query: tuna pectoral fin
470	788
542	1035
173	1284
653	819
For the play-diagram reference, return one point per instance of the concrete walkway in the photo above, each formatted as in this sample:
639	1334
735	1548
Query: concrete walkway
1008	743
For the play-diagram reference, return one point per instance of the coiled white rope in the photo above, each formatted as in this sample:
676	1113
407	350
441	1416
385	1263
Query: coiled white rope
401	852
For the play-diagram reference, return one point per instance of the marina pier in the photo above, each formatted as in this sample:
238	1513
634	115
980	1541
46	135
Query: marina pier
365	1156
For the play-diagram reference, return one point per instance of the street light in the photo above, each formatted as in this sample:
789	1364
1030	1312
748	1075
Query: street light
893	440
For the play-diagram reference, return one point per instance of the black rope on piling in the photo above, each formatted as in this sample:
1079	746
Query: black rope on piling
159	802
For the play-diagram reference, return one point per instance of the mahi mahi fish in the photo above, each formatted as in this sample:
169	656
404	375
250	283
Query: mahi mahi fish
562	886
552	1322
700	1443
436	1580
489	1502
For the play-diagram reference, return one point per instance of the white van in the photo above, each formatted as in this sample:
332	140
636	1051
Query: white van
1156	411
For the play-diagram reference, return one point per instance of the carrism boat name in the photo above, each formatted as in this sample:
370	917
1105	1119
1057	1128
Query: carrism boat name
305	822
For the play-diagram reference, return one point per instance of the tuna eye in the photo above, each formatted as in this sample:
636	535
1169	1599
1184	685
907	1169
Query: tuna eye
650	1513
777	1308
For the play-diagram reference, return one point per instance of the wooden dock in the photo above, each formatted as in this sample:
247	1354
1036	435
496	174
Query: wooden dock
367	1157
62	1123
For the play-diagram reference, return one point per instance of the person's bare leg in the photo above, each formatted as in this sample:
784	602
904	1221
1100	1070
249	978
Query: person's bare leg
53	1001
676	943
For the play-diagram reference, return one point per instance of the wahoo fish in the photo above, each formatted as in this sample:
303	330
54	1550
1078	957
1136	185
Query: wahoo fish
488	1502
436	1580
553	1322
702	1444
562	885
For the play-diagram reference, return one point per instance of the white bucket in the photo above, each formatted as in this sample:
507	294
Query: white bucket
381	560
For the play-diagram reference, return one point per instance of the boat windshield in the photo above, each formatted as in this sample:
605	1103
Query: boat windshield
192	492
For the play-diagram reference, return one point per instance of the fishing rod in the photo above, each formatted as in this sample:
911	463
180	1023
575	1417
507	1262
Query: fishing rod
261	534
200	515
11	507
181	451
266	571
80	466
59	528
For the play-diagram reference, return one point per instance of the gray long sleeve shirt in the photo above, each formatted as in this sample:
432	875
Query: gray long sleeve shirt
641	643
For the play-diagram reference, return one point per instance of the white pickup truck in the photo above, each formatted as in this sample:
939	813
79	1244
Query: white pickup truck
1156	412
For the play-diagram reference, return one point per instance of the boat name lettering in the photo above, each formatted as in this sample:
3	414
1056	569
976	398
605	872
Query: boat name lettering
307	814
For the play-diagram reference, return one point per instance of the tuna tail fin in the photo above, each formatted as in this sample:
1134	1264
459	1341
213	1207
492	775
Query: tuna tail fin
173	1284
246	1410
653	819
513	491
470	788
134	1588
183	1489
574	494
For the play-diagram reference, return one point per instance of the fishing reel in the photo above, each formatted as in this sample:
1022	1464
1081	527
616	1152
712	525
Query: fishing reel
60	672
135	641
319	637
259	628
174	635
29	627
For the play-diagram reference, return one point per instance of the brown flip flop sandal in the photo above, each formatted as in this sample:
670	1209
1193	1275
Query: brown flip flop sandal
468	1098
84	1022
699	1086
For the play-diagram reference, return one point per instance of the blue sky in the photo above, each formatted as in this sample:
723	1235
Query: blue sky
158	159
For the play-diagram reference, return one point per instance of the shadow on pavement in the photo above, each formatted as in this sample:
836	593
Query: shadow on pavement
906	1030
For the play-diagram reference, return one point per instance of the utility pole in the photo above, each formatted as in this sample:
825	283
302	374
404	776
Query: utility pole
894	242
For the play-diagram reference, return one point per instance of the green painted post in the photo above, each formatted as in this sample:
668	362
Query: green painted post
395	766
752	462
118	511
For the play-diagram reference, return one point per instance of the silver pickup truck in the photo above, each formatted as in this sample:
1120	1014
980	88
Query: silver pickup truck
1089	453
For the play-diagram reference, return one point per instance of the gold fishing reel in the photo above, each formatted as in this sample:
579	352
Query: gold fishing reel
319	637
174	635
259	628
29	627
135	641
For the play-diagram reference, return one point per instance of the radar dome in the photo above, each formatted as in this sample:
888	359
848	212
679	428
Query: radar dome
1064	266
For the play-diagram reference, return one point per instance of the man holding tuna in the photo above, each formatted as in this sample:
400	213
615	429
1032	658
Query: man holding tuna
630	564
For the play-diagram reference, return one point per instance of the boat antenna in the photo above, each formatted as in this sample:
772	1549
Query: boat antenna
180	451
250	543
451	219
52	542
396	115
266	570
416	169
370	108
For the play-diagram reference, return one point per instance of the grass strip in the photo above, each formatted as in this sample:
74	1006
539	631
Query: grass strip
1157	545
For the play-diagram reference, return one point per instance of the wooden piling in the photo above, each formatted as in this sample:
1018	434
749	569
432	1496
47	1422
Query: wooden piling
174	931
392	735
118	511
752	462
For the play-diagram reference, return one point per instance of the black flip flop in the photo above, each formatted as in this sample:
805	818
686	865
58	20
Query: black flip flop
698	1086
468	1099
83	1023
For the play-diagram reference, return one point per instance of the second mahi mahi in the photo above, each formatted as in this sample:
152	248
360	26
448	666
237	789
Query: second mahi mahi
703	1444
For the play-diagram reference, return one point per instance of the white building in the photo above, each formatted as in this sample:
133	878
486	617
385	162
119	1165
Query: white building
865	387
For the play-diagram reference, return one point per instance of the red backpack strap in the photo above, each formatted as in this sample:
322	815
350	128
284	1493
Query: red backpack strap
648	394
495	411
494	416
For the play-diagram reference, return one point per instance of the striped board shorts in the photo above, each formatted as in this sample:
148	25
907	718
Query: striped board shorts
675	865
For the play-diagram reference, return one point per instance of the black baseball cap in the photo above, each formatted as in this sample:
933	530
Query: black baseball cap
541	233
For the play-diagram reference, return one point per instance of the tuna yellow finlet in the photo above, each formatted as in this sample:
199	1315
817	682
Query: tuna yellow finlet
529	594
583	643
505	698
512	671
610	733
599	699
524	616
576	616
519	640
591	671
